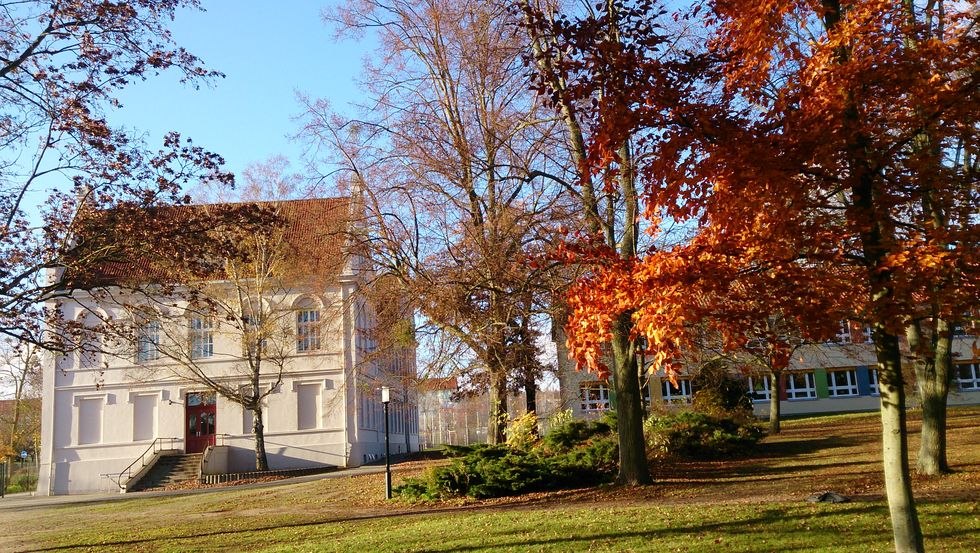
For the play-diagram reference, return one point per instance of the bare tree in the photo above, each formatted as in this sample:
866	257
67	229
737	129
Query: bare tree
63	64
448	155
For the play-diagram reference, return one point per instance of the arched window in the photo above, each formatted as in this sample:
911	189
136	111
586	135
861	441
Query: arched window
307	326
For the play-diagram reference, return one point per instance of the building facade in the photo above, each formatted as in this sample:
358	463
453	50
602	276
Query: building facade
833	377
105	407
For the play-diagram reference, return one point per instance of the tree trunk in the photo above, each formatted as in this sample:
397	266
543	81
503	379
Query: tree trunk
633	468
497	422
895	447
774	404
258	428
531	400
933	365
932	450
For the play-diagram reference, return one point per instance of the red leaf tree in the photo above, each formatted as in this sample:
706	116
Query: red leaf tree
825	151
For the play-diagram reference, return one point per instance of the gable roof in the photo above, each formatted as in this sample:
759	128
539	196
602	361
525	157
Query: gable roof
314	230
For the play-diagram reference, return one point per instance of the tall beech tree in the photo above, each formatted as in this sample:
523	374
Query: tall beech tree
449	155
62	65
826	151
609	209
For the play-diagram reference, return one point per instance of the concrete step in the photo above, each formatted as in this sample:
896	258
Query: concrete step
169	469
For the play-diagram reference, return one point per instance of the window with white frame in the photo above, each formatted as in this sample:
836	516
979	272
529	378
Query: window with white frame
842	383
873	381
201	333
759	388
968	375
676	393
253	335
148	342
594	396
843	335
307	327
800	385
866	333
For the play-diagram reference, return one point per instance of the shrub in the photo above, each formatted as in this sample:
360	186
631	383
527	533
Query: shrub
575	433
720	394
559	418
581	453
522	432
693	434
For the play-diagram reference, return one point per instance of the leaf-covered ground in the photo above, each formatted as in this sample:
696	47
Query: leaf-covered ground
750	504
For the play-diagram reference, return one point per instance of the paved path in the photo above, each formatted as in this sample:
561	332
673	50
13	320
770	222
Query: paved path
21	501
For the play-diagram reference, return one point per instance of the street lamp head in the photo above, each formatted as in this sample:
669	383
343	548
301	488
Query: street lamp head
385	394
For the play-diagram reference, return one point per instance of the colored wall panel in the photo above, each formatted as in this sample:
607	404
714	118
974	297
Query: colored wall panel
820	381
864	381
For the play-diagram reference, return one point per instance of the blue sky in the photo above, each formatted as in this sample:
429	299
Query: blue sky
268	51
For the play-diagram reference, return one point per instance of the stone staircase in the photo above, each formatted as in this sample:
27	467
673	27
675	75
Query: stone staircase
169	469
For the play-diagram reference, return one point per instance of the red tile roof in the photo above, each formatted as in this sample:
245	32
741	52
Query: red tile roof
315	231
438	384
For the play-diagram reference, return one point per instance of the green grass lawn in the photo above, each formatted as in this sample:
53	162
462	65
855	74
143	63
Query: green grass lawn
753	504
952	526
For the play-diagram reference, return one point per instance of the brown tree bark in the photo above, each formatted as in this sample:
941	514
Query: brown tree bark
932	375
497	421
906	530
633	468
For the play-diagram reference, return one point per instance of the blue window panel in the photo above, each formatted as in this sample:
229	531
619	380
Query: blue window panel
864	381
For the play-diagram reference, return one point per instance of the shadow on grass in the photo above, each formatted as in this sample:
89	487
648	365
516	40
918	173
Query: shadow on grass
766	516
792	448
767	520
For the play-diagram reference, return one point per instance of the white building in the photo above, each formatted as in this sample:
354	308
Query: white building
102	411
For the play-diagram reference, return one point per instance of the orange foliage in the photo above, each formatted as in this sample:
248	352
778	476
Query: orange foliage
819	167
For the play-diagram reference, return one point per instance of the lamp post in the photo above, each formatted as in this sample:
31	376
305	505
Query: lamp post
385	398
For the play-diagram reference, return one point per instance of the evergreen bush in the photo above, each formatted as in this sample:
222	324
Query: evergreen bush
574	454
698	435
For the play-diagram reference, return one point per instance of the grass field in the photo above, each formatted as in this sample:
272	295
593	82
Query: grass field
752	504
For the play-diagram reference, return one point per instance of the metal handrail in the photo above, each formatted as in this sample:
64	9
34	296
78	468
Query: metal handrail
128	471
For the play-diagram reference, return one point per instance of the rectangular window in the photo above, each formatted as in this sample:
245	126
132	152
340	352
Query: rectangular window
308	406
148	342
799	385
90	420
253	336
676	393
842	383
759	388
307	330
594	396
873	384
968	375
866	332
201	337
843	333
144	417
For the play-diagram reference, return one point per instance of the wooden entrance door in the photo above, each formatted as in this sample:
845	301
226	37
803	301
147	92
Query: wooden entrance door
200	410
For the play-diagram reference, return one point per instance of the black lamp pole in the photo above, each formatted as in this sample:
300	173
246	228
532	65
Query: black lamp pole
385	398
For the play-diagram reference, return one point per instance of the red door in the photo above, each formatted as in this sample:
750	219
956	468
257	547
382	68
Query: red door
199	409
